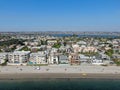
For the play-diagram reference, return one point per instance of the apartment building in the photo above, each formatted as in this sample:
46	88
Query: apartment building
53	58
3	57
18	57
38	58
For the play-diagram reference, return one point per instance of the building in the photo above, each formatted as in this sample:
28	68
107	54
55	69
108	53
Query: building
84	58
18	57
104	56
90	49
3	57
53	58
74	59
63	59
51	41
97	62
38	58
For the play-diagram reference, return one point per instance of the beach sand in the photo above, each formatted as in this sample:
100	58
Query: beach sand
49	72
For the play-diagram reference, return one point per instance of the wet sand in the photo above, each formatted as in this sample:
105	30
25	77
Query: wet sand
31	76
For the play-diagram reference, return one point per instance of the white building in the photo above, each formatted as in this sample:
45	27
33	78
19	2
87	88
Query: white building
38	58
51	42
18	57
97	62
53	59
3	57
84	58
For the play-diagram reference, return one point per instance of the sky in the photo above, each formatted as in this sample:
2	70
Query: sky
56	15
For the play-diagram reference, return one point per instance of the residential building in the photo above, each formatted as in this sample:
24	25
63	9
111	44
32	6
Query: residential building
74	59
3	57
53	58
97	62
18	57
38	58
51	41
63	59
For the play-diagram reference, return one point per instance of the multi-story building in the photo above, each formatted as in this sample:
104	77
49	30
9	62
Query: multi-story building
18	57
74	59
38	58
53	58
3	57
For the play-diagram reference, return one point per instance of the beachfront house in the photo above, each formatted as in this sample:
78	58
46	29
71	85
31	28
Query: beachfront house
18	57
3	57
53	58
84	58
104	56
38	58
116	56
74	59
97	62
63	59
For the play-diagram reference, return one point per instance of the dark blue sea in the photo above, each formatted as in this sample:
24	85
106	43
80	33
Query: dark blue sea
61	84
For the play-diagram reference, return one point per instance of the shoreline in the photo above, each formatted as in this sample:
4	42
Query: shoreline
46	76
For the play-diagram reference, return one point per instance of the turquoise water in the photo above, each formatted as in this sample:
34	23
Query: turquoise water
61	84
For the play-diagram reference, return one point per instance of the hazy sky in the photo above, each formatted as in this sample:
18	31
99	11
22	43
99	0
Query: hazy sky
82	15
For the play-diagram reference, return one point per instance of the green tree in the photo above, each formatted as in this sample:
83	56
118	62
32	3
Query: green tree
57	45
109	52
5	63
25	49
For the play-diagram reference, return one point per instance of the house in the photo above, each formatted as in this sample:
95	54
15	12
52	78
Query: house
90	49
84	58
18	57
104	56
51	41
3	57
63	59
74	59
38	58
116	49
75	48
97	62
54	50
81	43
53	58
116	56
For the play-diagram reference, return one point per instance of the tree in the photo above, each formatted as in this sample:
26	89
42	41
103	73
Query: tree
5	63
43	42
109	52
25	49
57	45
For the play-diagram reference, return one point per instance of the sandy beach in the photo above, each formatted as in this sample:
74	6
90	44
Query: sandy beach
35	72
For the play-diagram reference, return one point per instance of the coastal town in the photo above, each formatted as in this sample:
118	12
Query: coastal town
43	50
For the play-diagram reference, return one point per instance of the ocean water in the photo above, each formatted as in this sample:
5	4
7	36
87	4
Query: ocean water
89	35
61	84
